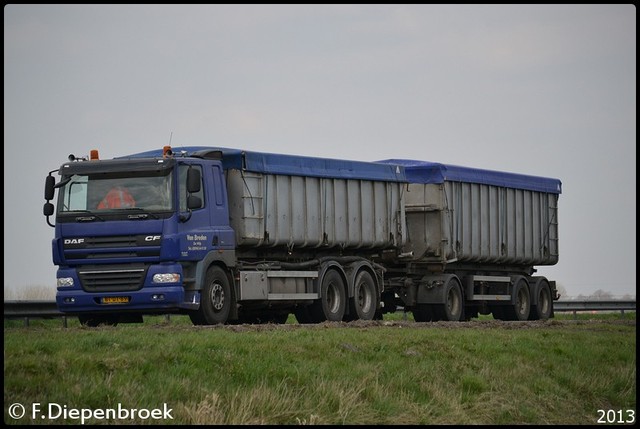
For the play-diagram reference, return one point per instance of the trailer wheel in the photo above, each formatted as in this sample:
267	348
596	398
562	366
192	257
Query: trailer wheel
365	297
453	306
215	303
542	310
521	308
332	303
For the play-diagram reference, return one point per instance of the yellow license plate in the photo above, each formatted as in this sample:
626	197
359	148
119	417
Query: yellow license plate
115	299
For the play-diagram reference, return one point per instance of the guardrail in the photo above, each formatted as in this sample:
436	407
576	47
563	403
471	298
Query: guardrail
587	305
29	309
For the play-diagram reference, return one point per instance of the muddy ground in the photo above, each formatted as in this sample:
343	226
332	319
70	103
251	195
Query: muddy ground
476	324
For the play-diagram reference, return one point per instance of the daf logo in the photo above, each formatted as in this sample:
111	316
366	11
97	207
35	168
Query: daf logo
74	241
152	237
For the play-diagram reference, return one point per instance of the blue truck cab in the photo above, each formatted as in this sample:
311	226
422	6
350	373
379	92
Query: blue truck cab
123	257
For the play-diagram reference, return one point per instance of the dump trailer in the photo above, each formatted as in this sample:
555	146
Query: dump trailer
474	238
232	236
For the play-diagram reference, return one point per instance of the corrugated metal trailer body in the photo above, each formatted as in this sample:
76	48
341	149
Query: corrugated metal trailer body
308	202
303	211
303	202
467	215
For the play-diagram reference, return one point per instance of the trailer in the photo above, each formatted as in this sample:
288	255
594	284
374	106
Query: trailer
233	236
474	238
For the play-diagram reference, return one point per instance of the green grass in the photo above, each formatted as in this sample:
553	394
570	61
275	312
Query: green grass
554	372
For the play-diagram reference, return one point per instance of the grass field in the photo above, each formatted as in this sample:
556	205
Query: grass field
561	371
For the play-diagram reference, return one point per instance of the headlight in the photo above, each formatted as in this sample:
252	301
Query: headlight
166	278
65	282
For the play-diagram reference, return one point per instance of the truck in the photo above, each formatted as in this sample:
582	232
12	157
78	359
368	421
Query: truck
234	236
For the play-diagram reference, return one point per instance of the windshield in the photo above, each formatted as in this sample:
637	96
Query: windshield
104	192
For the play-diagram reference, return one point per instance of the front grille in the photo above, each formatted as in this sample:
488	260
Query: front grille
109	255
112	279
120	241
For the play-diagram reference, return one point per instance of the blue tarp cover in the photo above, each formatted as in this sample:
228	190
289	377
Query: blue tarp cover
292	164
433	172
393	170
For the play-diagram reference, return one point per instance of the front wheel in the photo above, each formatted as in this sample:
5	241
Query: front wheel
216	300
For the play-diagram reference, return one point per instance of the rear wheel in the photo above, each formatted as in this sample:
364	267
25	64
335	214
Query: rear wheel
542	310
332	303
453	307
521	307
364	303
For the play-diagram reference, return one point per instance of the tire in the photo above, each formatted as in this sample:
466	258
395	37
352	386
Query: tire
453	308
332	303
521	308
216	299
543	309
364	303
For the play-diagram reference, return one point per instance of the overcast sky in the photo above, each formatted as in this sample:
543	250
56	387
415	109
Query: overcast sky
546	90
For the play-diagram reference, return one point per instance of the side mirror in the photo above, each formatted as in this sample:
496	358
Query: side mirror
193	202
49	187
193	180
47	210
193	186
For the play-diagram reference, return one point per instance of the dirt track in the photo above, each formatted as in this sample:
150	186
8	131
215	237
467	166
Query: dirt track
476	324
